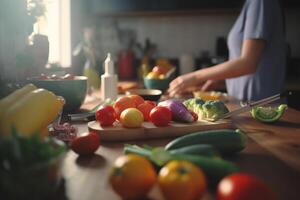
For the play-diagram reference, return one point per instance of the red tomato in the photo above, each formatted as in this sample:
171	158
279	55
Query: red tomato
86	144
195	116
145	108
240	186
160	70
106	115
122	103
151	102
160	116
137	99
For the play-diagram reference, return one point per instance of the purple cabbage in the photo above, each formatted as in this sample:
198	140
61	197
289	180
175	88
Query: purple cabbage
179	112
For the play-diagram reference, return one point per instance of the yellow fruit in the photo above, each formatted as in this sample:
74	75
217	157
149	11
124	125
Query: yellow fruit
131	118
162	76
153	75
32	113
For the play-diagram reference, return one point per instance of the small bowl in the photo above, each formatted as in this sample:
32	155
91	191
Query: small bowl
147	94
160	84
73	90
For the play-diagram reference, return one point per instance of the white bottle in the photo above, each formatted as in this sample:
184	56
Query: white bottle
109	80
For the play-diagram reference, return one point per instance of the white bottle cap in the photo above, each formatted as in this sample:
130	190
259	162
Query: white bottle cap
109	65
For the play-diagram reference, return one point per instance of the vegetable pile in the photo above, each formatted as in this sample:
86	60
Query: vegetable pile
187	167
138	110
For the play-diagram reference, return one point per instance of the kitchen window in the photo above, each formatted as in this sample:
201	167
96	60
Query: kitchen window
57	25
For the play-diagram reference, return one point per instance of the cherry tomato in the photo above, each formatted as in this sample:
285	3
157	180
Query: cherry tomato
106	115
137	99
195	116
86	144
160	116
132	176
122	103
146	108
181	180
241	186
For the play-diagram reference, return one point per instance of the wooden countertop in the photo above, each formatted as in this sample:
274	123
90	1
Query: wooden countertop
272	153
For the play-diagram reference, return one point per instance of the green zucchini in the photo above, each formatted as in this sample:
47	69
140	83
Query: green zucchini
214	168
197	149
224	140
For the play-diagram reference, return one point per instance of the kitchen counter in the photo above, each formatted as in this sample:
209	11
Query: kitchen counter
272	153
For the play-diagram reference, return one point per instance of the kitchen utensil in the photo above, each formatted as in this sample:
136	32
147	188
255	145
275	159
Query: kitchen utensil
247	107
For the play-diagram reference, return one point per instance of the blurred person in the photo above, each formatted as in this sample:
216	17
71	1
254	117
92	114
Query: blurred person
257	56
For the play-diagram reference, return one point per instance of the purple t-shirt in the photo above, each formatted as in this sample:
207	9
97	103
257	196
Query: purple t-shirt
259	19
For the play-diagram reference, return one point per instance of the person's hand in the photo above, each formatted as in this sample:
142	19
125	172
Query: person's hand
209	85
181	83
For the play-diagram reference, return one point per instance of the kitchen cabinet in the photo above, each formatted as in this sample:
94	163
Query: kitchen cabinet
113	7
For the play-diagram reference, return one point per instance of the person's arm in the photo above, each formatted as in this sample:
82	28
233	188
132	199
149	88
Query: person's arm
252	50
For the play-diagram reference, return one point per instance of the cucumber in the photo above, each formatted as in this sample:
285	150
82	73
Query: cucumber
197	149
226	141
214	168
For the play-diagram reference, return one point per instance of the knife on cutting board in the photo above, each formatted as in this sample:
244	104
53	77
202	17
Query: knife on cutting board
249	106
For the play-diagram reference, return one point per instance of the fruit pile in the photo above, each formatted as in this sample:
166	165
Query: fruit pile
158	72
132	110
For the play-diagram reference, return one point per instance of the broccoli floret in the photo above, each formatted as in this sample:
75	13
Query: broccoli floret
193	103
213	109
209	110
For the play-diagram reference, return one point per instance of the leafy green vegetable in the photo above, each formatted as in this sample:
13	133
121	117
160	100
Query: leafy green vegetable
18	152
210	110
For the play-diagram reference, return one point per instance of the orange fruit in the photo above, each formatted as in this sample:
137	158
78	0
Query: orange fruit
122	103
145	108
181	180
132	176
137	99
131	118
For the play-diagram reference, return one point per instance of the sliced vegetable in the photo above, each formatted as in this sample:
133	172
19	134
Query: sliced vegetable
179	111
224	140
268	114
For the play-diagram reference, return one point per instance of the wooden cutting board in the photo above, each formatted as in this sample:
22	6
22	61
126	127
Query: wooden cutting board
150	131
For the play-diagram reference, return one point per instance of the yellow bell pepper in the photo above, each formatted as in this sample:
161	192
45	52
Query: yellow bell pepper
9	100
31	113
